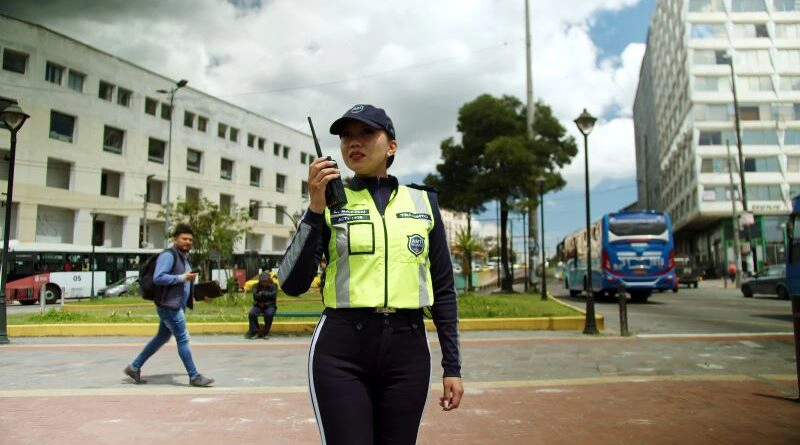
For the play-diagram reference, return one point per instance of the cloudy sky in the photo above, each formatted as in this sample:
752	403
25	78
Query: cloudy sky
419	59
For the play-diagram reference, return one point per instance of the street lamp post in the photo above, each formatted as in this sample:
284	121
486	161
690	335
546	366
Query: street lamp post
728	59
541	181
585	123
94	224
182	83
13	117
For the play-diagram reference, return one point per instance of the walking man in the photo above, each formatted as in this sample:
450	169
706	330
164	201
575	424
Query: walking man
174	279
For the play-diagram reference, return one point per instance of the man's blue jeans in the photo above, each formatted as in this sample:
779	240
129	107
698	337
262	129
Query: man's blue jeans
173	322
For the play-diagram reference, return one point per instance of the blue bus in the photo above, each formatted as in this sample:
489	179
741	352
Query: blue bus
793	250
634	249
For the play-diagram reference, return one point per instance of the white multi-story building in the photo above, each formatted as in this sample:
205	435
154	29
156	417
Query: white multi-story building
684	120
98	143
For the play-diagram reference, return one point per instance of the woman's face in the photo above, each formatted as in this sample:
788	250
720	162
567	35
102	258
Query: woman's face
365	149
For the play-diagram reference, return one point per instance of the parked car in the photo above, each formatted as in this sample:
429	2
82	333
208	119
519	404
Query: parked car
687	273
118	288
770	281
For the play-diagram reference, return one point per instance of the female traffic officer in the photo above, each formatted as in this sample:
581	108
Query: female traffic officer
369	363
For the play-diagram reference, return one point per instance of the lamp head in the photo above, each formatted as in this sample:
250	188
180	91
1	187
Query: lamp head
585	122
181	83
13	117
541	181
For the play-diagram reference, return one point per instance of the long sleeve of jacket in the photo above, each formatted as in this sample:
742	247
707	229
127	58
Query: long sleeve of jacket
163	276
299	265
445	307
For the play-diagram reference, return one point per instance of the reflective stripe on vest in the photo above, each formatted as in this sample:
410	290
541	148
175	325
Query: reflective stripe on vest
378	261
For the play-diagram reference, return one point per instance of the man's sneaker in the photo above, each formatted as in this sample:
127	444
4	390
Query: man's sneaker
200	380
135	375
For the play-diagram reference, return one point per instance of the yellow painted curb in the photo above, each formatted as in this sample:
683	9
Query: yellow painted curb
283	327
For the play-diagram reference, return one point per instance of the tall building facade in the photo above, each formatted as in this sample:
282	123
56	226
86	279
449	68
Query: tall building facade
685	123
94	156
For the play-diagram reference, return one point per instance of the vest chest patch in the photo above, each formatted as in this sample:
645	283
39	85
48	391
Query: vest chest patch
416	244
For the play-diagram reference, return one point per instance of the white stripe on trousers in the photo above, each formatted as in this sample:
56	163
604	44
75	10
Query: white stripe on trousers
313	394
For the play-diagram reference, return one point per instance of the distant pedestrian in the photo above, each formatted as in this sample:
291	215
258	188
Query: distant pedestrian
174	279
265	297
732	272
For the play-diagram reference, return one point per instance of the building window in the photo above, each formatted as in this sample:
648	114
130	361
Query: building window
253	209
110	183
188	119
788	58
222	129
709	112
786	5
708	31
792	137
225	203
58	174
280	211
75	81
234	135
714	165
251	140
704	57
280	183
757	83
787	30
764	193
193	195
304	189
303	157
53	73
750	30
705	5
261	142
749	112
276	149
14	61
790	83
62	126
706	83
194	160
759	137
766	164
155	150
202	123
106	91
719	193
793	164
226	169
166	112
113	139
754	57
255	176
124	97
286	151
710	138
150	106
748	6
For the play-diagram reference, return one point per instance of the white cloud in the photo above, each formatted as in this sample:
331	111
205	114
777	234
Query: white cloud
420	60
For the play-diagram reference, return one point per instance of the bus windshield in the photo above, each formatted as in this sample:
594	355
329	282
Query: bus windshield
637	227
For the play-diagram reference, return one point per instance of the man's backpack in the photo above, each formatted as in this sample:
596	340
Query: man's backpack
147	288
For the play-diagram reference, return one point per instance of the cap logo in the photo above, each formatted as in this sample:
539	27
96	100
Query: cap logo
357	109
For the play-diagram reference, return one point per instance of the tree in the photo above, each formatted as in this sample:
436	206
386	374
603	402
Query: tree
503	164
468	245
215	230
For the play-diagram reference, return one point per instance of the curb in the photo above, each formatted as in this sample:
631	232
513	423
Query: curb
574	323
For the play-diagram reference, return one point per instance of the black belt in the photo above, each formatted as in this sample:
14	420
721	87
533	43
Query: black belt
361	313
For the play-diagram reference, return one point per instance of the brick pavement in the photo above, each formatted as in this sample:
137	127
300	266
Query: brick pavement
522	388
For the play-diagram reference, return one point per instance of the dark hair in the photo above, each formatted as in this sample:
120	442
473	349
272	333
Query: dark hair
181	229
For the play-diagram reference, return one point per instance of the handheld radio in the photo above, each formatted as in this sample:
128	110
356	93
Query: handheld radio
334	191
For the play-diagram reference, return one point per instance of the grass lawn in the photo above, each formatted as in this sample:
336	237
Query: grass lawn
306	307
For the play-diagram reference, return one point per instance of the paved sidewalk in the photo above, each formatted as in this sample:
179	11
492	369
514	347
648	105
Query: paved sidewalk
522	388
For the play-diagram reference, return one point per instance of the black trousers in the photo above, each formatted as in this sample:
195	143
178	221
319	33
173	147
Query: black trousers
267	311
369	375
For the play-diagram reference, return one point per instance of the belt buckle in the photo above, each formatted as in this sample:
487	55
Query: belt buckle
385	310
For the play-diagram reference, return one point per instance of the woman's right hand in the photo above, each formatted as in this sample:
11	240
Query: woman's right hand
320	173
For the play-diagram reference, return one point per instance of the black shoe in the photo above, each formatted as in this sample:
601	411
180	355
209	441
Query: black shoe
249	336
200	380
266	337
135	375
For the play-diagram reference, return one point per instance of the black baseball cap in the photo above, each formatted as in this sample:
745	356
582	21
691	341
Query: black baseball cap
368	114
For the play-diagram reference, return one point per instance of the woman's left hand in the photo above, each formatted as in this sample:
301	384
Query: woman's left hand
453	390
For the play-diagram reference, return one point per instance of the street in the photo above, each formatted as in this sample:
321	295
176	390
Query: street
709	309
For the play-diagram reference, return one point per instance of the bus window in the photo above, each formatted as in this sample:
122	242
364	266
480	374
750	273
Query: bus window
794	249
50	262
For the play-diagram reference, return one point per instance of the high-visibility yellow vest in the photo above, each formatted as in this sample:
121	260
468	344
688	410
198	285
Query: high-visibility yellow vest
380	260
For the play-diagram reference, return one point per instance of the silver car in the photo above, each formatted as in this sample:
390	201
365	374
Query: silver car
771	281
118	288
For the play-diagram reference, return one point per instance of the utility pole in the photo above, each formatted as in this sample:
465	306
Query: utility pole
144	210
533	229
735	215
